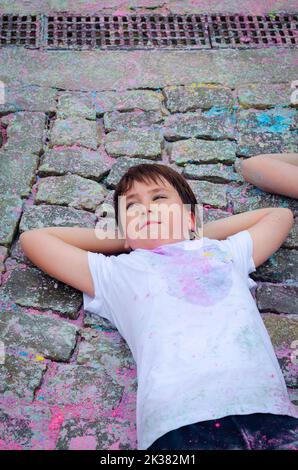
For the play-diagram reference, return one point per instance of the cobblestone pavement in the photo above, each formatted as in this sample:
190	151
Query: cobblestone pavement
69	380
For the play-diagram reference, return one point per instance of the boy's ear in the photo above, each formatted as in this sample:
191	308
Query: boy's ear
192	221
126	245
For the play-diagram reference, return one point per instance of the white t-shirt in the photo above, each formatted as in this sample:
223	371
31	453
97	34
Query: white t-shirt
187	314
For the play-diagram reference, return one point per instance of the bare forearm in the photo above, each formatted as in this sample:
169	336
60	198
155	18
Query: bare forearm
223	228
88	239
289	157
277	173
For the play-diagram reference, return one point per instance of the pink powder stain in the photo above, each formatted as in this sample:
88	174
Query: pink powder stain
5	445
217	425
201	277
115	446
46	420
83	443
57	418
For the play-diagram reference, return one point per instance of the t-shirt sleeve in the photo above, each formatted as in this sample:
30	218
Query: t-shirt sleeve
100	269
240	246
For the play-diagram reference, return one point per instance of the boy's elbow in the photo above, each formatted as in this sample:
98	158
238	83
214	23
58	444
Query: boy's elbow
287	220
25	237
290	215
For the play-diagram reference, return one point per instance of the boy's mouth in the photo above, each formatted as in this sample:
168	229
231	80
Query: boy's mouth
150	222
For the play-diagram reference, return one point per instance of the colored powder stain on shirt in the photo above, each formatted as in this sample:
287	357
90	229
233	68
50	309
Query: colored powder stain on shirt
202	276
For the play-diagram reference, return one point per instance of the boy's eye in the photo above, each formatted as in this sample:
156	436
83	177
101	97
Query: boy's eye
155	197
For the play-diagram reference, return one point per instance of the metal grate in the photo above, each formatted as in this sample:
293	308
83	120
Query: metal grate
149	31
253	31
19	30
123	32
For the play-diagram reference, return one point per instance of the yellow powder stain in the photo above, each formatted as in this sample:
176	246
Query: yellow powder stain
39	358
203	85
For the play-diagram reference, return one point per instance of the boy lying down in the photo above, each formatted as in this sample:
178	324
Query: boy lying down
208	376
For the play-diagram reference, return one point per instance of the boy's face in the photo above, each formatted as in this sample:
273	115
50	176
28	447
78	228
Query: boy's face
170	219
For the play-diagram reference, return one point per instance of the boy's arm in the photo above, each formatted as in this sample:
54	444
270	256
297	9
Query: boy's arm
268	228
276	173
61	252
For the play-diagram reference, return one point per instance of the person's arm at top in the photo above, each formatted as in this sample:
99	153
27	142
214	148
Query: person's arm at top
275	173
268	228
61	252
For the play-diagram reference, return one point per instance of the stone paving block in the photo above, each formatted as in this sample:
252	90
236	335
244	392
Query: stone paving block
17	254
75	384
72	190
20	376
248	197
24	426
10	213
17	172
202	151
52	338
283	332
218	173
108	350
213	194
277	298
120	167
274	120
92	320
137	142
3	256
75	131
209	214
72	104
282	266
29	98
99	434
264	95
250	144
31	287
128	100
114	120
25	133
209	124
180	99
86	163
293	394
43	215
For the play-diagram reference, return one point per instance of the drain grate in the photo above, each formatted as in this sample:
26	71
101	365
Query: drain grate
253	31
19	30
149	31
135	31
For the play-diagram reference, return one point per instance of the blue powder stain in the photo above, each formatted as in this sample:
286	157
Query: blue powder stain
216	111
274	123
23	353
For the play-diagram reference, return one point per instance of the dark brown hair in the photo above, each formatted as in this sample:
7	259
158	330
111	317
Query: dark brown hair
146	172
